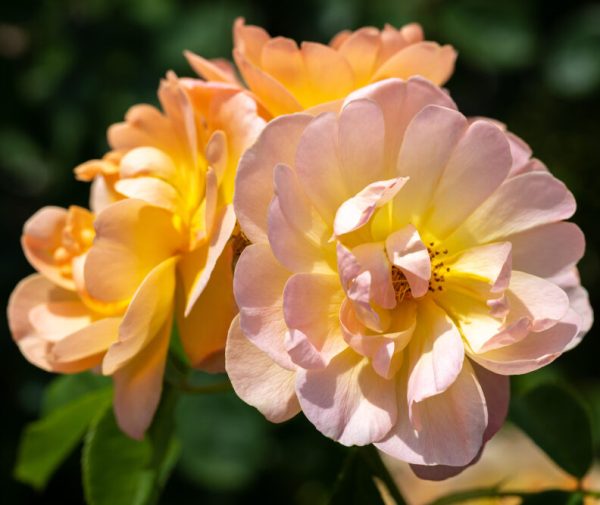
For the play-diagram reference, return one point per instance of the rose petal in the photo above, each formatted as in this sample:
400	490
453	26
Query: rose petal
347	400
258	286
258	380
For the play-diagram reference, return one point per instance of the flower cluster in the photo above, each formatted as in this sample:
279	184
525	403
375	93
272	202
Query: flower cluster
392	260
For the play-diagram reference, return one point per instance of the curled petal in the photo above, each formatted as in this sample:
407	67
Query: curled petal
407	251
357	211
533	352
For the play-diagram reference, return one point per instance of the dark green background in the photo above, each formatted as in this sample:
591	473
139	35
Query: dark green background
71	68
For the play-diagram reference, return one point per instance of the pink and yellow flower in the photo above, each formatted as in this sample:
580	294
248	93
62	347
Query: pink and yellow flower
162	250
404	262
286	78
50	310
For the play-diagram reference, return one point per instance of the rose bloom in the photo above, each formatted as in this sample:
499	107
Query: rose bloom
511	462
163	249
404	262
286	78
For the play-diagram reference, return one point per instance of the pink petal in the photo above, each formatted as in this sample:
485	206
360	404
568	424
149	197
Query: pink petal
254	182
318	167
357	282
477	321
478	165
424	161
258	380
436	356
372	257
347	401
541	301
533	352
521	203
452	425
496	389
546	250
579	299
311	309
384	349
407	251
357	211
258	286
297	234
361	141
400	101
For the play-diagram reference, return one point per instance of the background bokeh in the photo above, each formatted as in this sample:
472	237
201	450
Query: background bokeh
71	68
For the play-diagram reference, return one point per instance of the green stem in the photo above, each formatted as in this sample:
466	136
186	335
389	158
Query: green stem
371	455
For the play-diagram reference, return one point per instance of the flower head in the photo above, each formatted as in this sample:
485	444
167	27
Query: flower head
50	311
286	78
405	260
162	249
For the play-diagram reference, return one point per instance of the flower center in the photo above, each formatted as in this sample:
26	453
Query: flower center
401	286
438	268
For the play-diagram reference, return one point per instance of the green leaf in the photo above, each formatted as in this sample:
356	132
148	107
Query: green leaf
224	441
492	35
46	443
573	66
118	470
67	388
558	422
362	480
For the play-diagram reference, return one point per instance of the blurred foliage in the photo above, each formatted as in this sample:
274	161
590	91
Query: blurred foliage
548	410
71	68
